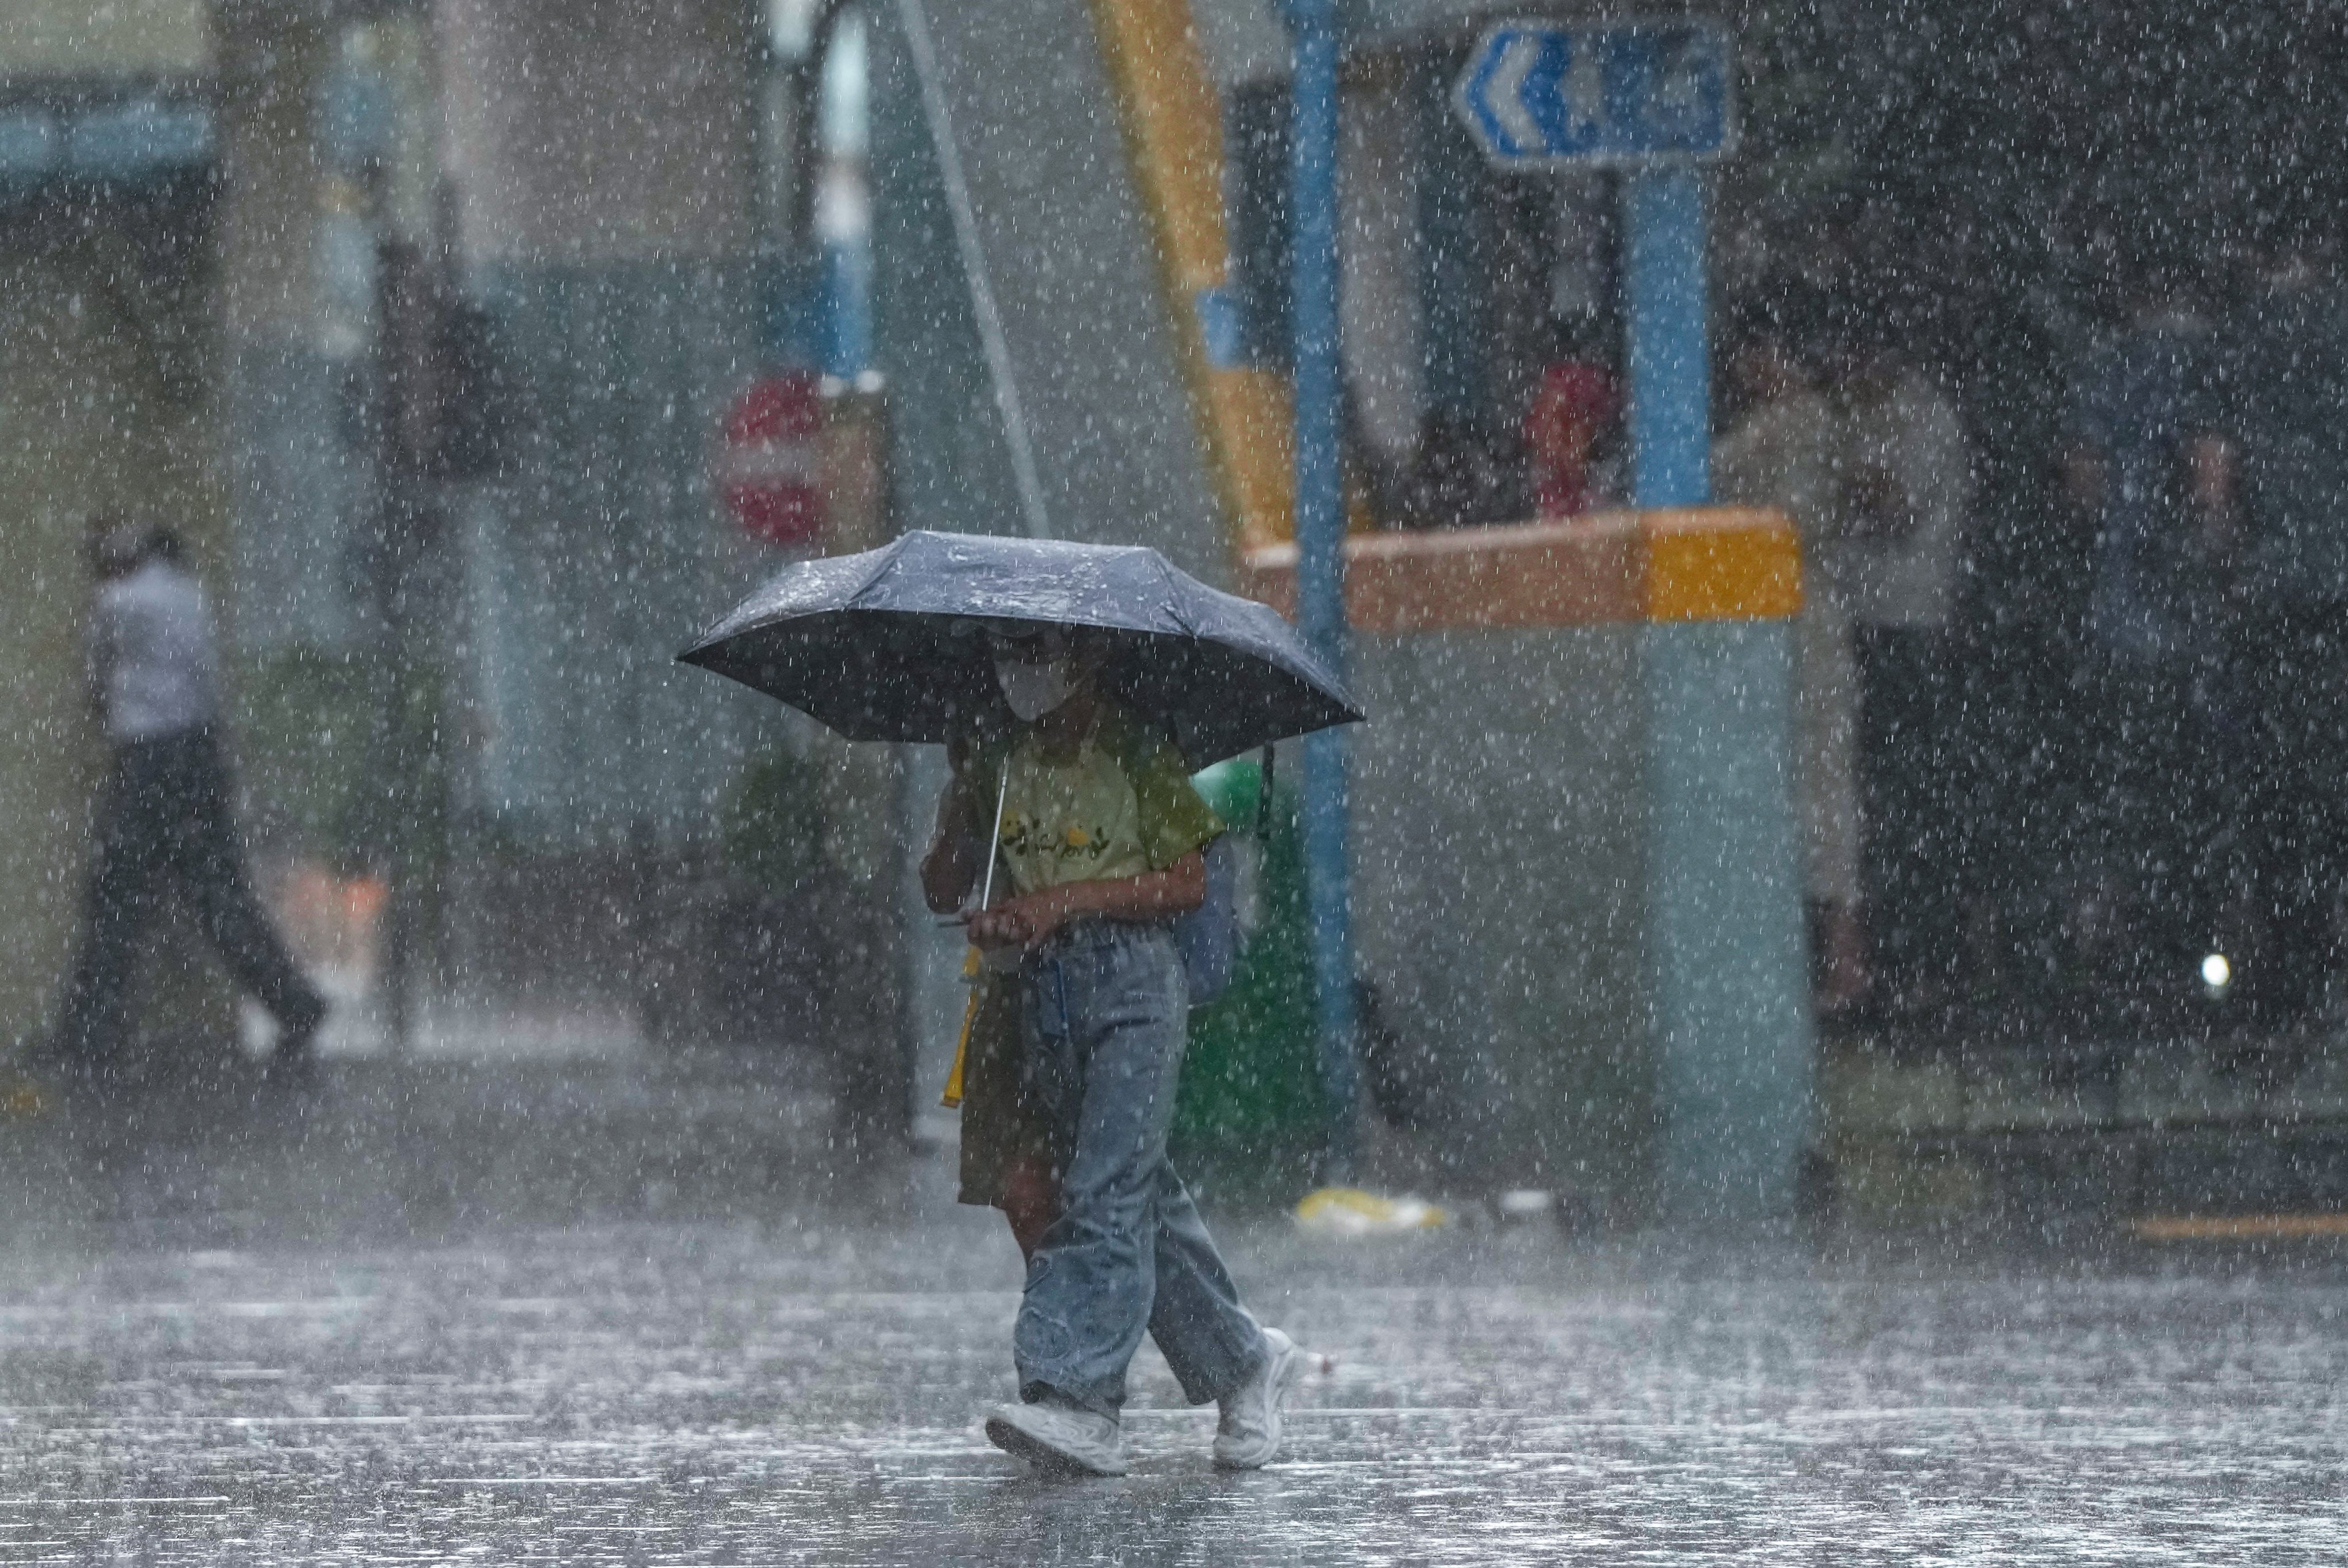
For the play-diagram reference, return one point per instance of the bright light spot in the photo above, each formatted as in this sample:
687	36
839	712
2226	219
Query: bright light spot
2216	972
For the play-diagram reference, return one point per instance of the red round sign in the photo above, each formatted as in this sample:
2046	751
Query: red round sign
770	467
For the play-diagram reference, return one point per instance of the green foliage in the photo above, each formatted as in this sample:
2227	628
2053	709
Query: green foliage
343	753
305	747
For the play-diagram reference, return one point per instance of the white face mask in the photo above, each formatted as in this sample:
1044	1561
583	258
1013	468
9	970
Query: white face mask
1033	687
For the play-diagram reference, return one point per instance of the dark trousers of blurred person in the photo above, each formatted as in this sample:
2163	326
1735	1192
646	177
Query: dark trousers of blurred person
164	825
1910	800
2158	737
2295	670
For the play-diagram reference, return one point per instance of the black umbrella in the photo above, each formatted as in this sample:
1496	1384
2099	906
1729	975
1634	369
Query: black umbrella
887	645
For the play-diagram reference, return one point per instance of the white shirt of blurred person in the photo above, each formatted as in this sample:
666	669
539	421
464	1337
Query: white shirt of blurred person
152	668
1907	487
1905	493
1782	451
165	817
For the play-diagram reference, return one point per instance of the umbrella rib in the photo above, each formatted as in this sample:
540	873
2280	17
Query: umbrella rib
882	559
1174	594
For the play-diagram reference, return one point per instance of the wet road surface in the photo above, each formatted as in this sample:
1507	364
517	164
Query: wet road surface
796	1376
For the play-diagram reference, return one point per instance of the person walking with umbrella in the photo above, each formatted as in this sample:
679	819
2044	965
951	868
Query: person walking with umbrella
1075	687
1101	835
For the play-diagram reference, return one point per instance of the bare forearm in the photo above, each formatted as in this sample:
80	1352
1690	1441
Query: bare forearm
1154	894
2083	479
98	665
950	870
2211	462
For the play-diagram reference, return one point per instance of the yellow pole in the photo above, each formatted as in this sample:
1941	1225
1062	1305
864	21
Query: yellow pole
1172	121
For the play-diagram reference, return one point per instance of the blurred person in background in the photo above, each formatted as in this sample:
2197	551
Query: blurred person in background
2282	465
1461	477
2141	465
164	818
1903	495
1781	450
1571	424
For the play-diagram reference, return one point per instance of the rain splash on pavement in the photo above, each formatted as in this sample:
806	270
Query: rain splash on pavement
520	1315
800	1381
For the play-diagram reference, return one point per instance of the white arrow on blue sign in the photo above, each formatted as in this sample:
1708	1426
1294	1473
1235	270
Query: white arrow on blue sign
1544	93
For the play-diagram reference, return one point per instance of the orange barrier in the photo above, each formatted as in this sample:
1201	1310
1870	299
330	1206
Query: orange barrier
1698	563
2239	1227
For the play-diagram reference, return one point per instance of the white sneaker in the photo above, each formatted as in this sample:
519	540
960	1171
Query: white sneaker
1058	1438
1249	1433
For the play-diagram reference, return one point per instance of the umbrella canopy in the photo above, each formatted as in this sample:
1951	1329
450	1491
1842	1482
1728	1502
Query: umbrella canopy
888	645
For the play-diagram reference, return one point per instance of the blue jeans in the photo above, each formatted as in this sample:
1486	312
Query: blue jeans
1106	1012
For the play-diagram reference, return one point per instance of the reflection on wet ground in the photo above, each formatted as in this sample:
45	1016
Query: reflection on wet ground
800	1382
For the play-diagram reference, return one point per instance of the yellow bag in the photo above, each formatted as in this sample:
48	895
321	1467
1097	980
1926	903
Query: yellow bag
951	1098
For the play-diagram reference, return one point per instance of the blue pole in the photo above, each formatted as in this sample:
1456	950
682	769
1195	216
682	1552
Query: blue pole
1671	368
1320	539
1731	1020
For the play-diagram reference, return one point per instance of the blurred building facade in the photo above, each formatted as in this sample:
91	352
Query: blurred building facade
1898	207
1897	192
109	146
420	319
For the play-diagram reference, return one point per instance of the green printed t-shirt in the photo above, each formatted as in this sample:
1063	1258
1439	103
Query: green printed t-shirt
1120	806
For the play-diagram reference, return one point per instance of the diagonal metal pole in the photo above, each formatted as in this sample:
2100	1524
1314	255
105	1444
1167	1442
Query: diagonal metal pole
992	340
1320	565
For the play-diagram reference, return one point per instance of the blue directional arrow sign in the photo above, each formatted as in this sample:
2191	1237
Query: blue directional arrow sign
1541	94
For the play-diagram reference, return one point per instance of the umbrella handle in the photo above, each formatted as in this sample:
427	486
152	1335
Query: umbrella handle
1263	799
994	837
